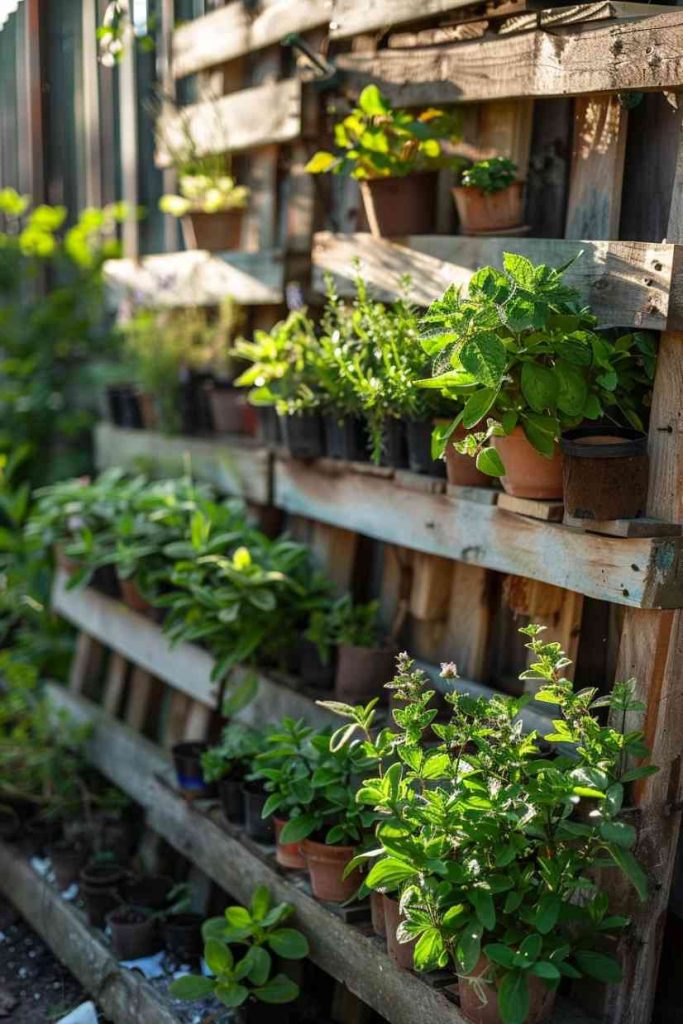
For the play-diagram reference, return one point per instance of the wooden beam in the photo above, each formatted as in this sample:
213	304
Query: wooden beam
636	572
233	30
254	117
352	17
627	284
640	55
197	278
597	168
118	991
240	468
128	117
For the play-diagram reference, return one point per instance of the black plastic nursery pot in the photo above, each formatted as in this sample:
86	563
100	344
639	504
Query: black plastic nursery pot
67	859
125	409
183	937
106	581
232	798
133	932
346	438
362	672
188	768
419	444
254	1012
394	445
312	669
150	891
257	827
99	885
303	436
195	409
115	835
268	425
605	472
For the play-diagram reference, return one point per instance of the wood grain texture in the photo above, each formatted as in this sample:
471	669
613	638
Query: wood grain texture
240	467
642	55
351	17
636	572
231	31
196	278
122	995
626	283
254	117
597	168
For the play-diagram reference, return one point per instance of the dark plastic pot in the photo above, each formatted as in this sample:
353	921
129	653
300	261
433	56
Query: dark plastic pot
183	937
605	472
188	768
346	438
303	436
232	798
124	406
362	672
99	885
115	836
195	411
401	206
257	827
394	445
419	442
133	932
38	834
106	581
268	431
150	891
10	824
254	1012
311	668
227	408
67	860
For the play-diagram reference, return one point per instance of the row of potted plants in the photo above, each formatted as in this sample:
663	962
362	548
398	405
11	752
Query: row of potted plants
479	844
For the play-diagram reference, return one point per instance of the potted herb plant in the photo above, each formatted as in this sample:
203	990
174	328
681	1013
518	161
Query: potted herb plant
133	932
489	196
239	952
525	363
493	864
228	764
187	760
394	154
364	664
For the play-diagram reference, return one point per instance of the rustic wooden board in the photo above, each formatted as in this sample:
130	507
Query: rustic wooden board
644	527
597	168
626	283
121	994
196	278
640	55
637	572
254	117
550	511
352	17
231	31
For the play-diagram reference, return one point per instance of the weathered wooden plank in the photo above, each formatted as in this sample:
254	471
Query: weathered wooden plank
139	695
597	168
550	511
275	698
645	527
121	994
86	661
185	667
197	278
233	30
351	17
115	683
636	572
626	283
598	58
241	468
254	117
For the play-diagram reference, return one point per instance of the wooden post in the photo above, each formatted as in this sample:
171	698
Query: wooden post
91	105
597	169
129	148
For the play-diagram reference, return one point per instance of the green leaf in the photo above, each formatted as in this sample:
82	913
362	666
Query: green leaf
430	952
531	946
298	828
468	949
513	998
541	432
240	695
288	943
238	917
231	994
484	908
598	966
259	962
485	357
477	406
279	989
571	398
489	462
520	269
544	969
540	387
213	928
389	872
631	868
618	832
219	958
372	103
500	954
547	913
191	987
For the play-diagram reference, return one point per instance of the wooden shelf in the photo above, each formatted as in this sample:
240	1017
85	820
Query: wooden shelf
628	284
117	991
238	865
235	466
640	572
197	278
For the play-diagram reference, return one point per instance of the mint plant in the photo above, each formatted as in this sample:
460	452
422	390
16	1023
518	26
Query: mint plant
519	349
491	175
233	755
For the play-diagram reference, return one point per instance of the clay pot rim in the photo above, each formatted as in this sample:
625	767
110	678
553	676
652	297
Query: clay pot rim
389	647
629	442
145	912
517	183
335	851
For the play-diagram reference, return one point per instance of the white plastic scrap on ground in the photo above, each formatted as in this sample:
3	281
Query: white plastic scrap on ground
150	966
86	1013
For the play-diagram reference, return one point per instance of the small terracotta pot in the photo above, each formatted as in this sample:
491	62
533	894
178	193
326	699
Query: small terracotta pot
362	672
215	232
133	932
133	598
67	861
400	206
287	854
528	474
605	472
400	952
227	409
461	470
377	915
326	866
541	999
99	886
489	211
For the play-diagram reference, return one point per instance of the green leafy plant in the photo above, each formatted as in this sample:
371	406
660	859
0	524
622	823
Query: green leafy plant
491	175
239	950
486	838
232	757
519	349
283	366
377	141
202	193
343	622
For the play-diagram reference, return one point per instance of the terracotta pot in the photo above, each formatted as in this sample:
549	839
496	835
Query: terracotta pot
401	206
377	916
227	409
362	672
462	469
133	598
326	866
489	211
528	474
541	999
133	932
605	472
400	952
67	861
99	886
215	232
287	854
